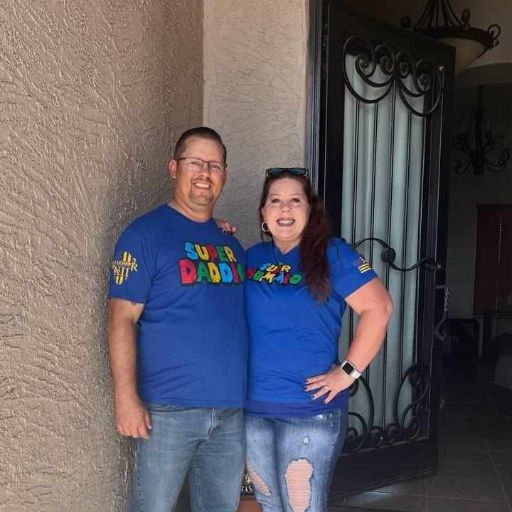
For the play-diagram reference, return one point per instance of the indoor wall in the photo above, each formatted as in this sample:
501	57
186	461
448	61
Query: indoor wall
92	96
468	190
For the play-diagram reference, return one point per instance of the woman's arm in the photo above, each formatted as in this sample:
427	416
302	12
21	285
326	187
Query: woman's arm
373	305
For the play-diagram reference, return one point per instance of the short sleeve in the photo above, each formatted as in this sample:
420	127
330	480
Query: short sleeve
132	267
349	269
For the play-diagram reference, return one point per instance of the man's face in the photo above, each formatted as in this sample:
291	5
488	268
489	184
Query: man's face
198	187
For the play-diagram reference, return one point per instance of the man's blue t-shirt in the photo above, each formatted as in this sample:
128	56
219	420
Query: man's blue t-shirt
192	340
293	336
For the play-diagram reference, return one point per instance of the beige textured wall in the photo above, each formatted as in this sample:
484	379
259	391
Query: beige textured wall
254	94
92	93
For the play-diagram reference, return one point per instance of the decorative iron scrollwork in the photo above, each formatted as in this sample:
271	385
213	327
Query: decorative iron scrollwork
355	439
388	255
414	415
382	70
410	421
441	328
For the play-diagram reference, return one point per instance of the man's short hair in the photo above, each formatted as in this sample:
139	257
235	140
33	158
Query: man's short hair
202	132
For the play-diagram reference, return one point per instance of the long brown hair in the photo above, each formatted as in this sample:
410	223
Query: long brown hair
315	237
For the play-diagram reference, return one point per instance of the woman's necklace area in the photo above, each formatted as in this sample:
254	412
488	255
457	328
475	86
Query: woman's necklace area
276	260
279	256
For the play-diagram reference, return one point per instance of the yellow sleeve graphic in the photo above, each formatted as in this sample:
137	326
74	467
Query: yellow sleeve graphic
123	267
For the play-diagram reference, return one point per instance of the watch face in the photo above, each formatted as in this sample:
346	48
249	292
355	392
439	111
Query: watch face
347	367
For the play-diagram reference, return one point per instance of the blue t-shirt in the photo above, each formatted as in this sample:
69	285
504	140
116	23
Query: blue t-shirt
293	336
193	338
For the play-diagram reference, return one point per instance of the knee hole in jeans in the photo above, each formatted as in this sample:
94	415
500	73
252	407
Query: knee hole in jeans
298	484
258	482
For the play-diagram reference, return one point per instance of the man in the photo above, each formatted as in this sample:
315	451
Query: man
178	339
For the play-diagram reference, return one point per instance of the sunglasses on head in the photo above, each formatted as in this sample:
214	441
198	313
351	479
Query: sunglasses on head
296	171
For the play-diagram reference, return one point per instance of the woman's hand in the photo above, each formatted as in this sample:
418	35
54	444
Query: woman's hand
225	226
329	384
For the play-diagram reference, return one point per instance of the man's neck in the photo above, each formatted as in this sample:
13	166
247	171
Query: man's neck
195	215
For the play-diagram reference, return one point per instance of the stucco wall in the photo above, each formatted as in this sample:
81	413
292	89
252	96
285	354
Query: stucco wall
92	94
254	94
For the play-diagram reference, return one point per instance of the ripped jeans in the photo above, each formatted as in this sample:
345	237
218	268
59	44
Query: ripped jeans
291	461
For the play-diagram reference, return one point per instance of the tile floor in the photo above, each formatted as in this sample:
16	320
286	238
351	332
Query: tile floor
475	471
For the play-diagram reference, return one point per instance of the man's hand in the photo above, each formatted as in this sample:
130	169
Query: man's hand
132	417
330	384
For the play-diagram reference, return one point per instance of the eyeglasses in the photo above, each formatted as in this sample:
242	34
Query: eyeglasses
296	171
196	164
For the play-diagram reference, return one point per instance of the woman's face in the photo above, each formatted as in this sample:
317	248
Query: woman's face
286	212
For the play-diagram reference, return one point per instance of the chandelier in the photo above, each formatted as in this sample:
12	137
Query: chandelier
483	150
439	21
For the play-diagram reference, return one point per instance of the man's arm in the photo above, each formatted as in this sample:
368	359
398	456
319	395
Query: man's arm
131	416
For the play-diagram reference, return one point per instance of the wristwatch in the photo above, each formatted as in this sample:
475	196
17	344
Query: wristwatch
350	369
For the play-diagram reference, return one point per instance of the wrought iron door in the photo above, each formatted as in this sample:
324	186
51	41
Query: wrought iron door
382	104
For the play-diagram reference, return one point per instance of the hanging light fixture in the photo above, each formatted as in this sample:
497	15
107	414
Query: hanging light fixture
483	150
440	22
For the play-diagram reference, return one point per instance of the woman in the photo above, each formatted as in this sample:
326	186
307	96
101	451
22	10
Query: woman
297	287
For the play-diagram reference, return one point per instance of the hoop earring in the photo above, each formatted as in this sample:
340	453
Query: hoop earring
264	227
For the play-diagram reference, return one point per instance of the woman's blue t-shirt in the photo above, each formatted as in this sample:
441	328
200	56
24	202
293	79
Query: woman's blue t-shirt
293	336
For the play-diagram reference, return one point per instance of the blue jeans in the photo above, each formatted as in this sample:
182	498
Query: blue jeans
291	461
207	444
